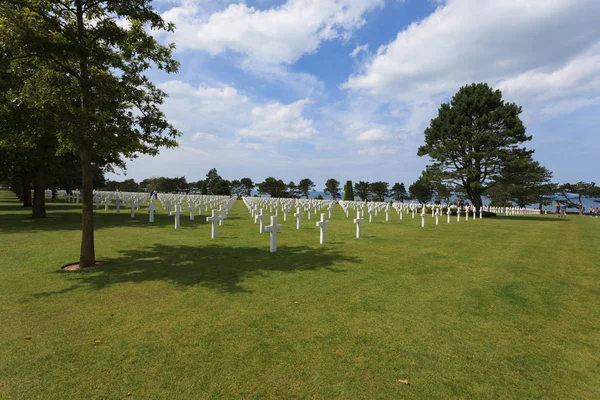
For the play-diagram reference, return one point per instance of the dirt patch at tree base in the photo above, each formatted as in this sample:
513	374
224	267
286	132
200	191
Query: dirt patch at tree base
76	267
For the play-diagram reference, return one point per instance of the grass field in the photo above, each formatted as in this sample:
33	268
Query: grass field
499	308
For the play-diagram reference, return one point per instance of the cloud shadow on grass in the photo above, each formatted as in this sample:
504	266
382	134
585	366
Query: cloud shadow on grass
215	266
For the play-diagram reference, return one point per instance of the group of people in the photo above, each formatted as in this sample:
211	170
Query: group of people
561	210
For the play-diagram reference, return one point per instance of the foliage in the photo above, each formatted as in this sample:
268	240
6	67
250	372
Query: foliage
293	190
332	187
398	192
222	188
273	187
422	189
379	190
305	186
579	190
348	191
361	189
474	138
91	75
237	188
212	177
248	186
165	185
524	182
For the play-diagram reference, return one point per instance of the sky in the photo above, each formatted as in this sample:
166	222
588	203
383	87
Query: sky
344	89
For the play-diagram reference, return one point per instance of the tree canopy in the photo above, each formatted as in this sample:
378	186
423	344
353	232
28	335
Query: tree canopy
90	73
474	139
332	186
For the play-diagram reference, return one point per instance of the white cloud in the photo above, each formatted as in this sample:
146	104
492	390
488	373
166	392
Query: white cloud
276	121
206	99
373	135
466	41
358	49
277	35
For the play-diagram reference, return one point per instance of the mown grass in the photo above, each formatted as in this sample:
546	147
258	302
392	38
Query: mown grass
500	308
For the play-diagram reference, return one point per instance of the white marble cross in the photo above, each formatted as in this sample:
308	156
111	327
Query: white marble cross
358	220
298	214
132	206
192	207
151	209
480	212
118	205
466	214
273	229
448	212
322	224
286	210
437	216
177	213
474	212
370	214
106	203
423	217
261	219
457	214
223	214
214	219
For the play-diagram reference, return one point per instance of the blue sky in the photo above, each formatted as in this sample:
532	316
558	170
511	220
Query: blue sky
345	88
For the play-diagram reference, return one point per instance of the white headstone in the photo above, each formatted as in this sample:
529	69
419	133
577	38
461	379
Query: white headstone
151	209
214	220
118	205
298	214
260	218
177	213
358	220
273	229
322	224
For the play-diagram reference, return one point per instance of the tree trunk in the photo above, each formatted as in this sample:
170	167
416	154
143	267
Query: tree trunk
87	258
26	190
475	198
39	194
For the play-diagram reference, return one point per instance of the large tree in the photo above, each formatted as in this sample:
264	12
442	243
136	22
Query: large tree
305	186
273	187
474	138
248	186
212	177
524	182
422	189
348	191
578	191
332	186
379	190
96	85
361	189
398	192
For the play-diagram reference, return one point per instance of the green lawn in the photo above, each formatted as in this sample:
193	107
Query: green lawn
500	308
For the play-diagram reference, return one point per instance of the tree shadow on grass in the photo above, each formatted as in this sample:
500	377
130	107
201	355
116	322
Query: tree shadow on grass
57	220
537	218
215	266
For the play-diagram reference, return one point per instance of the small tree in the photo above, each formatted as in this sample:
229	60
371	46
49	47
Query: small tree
332	187
348	191
222	188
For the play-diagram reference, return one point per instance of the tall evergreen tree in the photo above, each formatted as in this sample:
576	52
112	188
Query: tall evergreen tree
474	138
